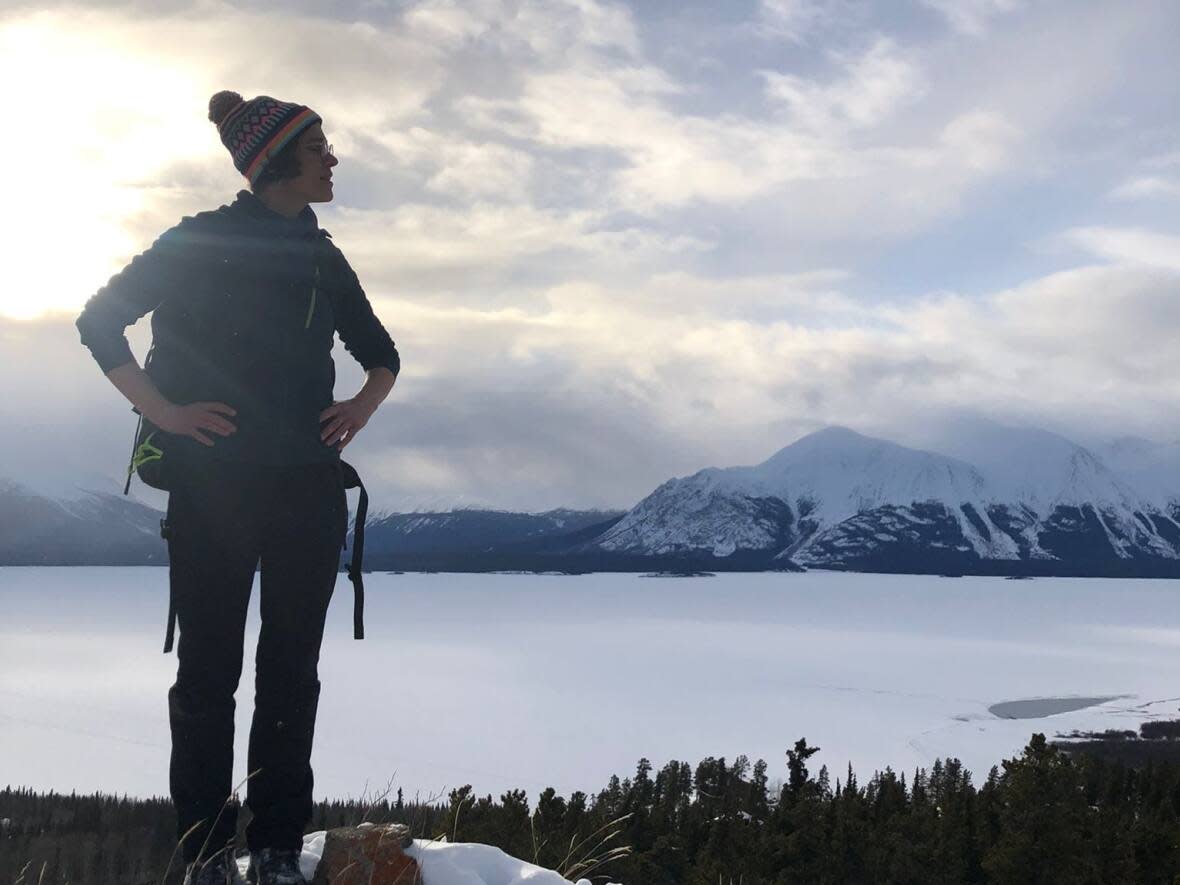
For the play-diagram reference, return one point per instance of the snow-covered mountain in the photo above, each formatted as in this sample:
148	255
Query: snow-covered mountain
779	505
81	527
836	498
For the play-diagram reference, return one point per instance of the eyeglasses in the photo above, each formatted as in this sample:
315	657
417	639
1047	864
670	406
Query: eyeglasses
324	150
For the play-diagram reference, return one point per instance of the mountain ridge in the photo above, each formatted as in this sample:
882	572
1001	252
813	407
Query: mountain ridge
1026	501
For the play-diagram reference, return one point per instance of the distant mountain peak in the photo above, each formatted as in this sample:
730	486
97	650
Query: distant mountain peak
832	436
830	444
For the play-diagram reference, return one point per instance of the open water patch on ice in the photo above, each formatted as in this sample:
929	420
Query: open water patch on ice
1039	708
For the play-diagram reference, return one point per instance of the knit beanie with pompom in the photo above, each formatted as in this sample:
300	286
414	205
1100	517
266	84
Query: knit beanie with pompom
254	131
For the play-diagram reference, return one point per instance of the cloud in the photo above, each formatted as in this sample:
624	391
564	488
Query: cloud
541	30
482	171
453	167
1163	161
982	140
873	86
436	249
448	23
669	160
1070	335
1153	179
554	27
790	19
1144	187
971	16
1134	245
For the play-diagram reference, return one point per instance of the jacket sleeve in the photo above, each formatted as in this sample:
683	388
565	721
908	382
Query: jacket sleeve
360	331
131	293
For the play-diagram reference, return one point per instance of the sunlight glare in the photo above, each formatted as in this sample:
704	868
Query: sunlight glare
90	128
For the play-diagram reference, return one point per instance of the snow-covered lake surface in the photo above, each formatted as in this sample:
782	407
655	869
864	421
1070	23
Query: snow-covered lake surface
529	681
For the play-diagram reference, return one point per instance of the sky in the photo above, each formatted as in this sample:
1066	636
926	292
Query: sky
621	242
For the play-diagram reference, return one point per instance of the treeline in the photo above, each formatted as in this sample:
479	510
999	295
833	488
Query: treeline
55	838
1044	817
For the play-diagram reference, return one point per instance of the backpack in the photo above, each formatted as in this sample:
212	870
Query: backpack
149	459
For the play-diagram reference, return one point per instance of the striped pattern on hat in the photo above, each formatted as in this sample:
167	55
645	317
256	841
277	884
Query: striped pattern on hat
257	129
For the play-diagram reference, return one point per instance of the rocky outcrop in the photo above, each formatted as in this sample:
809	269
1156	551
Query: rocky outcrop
370	854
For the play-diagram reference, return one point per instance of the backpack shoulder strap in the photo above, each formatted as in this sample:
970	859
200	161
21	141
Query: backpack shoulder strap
352	480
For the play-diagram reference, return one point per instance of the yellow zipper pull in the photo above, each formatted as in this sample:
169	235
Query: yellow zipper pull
311	304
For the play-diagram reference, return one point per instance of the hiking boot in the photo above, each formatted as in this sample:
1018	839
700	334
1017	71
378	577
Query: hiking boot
221	869
275	866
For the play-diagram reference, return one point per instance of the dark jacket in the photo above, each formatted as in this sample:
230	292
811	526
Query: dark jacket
244	306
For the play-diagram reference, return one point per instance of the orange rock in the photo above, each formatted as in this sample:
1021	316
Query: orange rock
371	854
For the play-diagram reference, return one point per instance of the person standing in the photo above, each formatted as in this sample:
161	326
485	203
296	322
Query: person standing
246	437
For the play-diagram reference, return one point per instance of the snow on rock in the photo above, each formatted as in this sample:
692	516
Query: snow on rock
718	511
453	863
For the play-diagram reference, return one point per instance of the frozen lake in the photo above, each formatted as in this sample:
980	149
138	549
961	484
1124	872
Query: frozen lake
529	681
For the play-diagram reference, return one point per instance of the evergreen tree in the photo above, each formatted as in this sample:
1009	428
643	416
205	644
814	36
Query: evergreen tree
797	768
1044	821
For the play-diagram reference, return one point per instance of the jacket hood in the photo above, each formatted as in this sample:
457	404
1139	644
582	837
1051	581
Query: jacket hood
248	208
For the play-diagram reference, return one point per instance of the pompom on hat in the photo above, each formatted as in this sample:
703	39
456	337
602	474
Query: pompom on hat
253	131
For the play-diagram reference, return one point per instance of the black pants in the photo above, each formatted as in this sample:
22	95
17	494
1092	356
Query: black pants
222	524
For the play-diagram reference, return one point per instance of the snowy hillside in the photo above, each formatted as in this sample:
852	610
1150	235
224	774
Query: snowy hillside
476	529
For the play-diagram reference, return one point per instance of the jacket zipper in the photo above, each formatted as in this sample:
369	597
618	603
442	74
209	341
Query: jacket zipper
311	303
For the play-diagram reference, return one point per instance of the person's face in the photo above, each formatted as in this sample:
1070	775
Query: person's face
314	183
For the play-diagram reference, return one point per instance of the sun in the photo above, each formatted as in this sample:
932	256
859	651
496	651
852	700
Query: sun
88	124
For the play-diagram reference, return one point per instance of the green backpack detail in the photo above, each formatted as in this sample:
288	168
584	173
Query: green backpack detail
148	457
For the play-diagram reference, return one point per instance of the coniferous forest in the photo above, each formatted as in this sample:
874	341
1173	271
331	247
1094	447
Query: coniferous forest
1043	817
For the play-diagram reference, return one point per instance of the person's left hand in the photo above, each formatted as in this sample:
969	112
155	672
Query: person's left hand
345	419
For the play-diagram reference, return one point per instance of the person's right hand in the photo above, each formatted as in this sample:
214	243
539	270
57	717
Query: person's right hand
193	418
